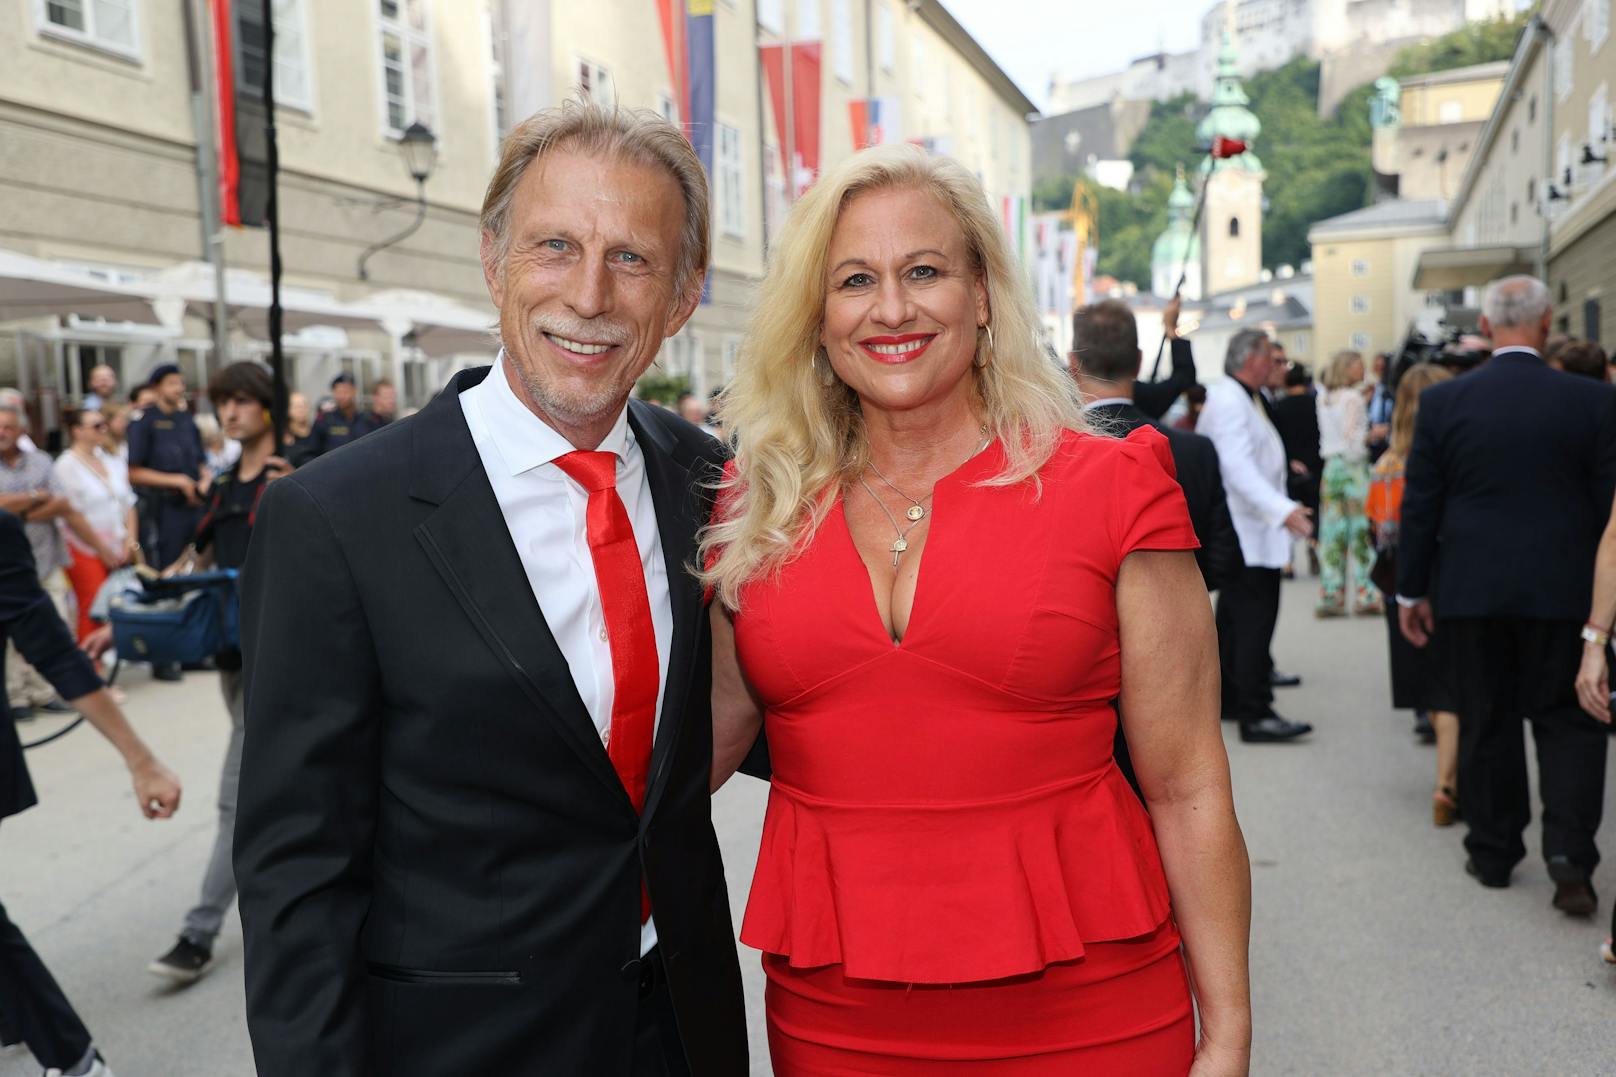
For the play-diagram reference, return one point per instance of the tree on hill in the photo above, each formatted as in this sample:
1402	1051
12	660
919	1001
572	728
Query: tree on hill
1318	167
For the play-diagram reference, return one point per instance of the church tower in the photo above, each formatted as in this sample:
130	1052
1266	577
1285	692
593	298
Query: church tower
1231	225
1178	250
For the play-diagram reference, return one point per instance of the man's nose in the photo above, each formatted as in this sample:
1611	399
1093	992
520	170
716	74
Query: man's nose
589	288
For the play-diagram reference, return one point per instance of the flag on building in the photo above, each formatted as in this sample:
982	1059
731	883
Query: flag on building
240	139
688	45
801	157
875	121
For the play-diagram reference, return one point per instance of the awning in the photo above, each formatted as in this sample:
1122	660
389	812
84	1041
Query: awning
247	297
1447	269
437	325
34	288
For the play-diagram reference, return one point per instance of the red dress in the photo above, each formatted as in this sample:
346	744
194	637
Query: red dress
954	877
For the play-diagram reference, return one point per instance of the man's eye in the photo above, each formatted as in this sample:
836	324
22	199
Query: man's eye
857	280
629	257
555	244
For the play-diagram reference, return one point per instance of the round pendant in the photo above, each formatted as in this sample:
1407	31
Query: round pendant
900	545
915	513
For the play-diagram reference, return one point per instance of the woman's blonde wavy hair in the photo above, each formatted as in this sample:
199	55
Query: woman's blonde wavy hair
799	430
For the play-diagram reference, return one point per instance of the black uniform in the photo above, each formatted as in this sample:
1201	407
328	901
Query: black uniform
370	422
169	442
32	1006
333	430
300	450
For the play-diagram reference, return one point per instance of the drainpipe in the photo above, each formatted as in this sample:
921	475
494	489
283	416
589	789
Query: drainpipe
1541	28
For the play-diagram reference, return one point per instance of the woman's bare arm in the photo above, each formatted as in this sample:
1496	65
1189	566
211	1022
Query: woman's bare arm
737	714
1169	706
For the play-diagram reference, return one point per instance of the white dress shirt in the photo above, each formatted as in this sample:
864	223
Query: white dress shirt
545	512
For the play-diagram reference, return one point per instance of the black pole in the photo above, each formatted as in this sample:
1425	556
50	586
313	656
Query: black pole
277	358
1184	268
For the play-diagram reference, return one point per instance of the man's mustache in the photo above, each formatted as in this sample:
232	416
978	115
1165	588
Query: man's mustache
593	331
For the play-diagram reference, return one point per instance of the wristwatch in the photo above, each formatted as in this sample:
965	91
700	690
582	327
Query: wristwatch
1592	633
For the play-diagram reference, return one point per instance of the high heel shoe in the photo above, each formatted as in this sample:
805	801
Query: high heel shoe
1606	952
1444	806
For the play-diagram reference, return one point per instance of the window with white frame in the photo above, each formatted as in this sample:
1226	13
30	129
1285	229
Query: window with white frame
107	24
1450	112
841	28
496	67
1596	23
807	28
774	192
1562	68
1360	304
771	15
1562	158
886	40
594	83
407	83
1359	342
1599	119
291	51
1360	267
731	186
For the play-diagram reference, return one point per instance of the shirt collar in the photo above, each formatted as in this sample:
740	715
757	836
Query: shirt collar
1110	402
523	440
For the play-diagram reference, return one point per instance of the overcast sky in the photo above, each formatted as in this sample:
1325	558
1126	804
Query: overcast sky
1031	39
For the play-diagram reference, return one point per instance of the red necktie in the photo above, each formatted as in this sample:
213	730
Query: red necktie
620	576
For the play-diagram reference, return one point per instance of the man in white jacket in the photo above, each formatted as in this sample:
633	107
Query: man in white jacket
1252	459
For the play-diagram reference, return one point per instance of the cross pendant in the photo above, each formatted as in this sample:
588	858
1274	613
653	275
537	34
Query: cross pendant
898	546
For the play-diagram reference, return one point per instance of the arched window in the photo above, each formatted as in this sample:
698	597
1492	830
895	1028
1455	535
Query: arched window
1234	227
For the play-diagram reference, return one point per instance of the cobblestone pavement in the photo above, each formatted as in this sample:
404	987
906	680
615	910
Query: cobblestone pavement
1372	953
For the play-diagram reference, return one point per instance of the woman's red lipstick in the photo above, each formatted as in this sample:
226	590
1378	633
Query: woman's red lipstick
901	348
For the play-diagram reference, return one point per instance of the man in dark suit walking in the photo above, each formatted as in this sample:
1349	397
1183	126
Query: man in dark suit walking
33	1009
474	833
1105	360
1508	484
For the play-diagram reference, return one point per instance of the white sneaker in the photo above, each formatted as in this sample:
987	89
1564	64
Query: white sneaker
98	1068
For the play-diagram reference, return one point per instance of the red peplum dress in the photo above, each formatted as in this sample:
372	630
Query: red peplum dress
954	876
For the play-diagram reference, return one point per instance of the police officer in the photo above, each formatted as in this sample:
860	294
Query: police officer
166	461
168	466
341	424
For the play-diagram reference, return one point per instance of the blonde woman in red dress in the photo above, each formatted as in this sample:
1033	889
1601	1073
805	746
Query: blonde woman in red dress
931	585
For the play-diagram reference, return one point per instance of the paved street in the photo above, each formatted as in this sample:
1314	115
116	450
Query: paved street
1373	953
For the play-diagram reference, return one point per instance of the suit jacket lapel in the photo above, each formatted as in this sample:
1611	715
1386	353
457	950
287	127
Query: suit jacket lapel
667	472
468	543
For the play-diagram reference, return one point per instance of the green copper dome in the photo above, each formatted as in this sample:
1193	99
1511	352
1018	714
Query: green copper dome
1230	118
1177	243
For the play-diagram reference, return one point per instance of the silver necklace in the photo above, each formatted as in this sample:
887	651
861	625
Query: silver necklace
917	510
901	543
917	506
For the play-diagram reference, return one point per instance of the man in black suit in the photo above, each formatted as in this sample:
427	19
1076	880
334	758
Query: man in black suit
1153	398
1105	360
461	846
33	1009
1508	484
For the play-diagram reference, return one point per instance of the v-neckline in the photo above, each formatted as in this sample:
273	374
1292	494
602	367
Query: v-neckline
920	570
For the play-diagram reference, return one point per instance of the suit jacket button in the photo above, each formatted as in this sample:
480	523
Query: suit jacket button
631	971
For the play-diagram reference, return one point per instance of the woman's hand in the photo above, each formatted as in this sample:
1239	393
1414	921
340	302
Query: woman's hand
1593	683
157	790
1212	1060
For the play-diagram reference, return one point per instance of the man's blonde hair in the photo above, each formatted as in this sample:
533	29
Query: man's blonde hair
799	430
637	135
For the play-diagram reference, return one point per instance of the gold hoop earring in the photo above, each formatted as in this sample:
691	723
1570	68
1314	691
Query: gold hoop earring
982	360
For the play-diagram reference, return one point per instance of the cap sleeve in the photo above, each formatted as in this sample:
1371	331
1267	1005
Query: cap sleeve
1151	511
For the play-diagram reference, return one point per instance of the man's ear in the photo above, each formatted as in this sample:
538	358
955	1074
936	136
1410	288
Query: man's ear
1138	363
685	306
1485	327
493	269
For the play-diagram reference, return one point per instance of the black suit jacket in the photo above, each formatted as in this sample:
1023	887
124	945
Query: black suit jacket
28	620
1155	397
1196	460
1508	487
439	869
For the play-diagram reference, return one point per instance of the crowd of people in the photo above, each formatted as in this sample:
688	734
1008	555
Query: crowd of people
639	608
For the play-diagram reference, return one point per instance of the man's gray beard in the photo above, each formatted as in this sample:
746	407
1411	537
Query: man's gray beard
572	408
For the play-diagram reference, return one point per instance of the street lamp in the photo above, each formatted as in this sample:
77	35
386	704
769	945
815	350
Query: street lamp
419	148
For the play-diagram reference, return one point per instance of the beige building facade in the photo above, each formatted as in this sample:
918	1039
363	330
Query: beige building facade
1363	272
105	135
